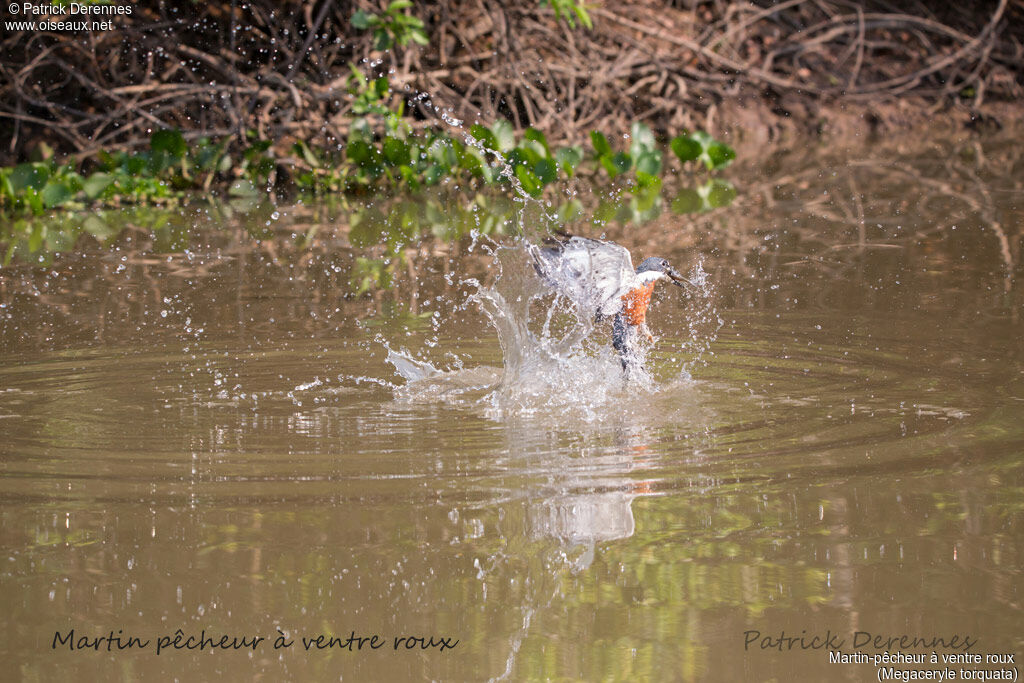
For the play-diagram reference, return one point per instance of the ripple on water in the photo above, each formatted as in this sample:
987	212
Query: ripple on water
332	422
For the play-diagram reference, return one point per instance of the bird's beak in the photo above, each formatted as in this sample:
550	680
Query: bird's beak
678	279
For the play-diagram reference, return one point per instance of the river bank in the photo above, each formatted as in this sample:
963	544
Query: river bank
296	72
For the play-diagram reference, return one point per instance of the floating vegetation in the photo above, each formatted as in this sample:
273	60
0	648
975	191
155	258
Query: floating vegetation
389	156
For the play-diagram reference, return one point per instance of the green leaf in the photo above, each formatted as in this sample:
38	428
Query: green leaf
524	155
135	164
444	153
600	142
257	148
25	176
35	203
546	170
358	151
581	12
504	134
623	162
108	160
490	174
381	39
569	158
209	157
55	194
396	152
536	136
609	165
5	184
484	136
685	148
170	142
361	20
243	188
356	77
719	155
399	5
303	150
649	162
647	180
530	182
433	174
642	139
95	184
702	137
534	149
469	158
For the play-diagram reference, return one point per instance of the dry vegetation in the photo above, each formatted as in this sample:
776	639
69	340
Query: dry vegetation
282	68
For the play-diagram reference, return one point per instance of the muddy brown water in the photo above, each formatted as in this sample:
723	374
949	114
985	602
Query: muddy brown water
200	431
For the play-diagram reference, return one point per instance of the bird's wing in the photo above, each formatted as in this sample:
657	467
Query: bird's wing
593	273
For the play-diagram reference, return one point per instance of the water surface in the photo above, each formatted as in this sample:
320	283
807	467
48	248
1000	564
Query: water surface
202	430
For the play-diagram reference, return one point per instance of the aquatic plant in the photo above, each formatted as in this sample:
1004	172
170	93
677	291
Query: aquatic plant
393	27
160	174
570	11
382	152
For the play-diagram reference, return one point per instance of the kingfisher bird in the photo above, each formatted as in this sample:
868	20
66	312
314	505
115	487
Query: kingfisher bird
599	276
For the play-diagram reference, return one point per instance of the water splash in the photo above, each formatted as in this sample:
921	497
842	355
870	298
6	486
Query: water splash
556	358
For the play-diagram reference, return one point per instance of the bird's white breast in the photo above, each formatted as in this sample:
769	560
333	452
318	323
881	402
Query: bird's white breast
650	276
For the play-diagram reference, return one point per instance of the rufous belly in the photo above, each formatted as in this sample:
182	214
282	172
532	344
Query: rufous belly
636	302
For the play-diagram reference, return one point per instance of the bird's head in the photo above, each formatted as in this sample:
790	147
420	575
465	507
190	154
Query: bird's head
656	264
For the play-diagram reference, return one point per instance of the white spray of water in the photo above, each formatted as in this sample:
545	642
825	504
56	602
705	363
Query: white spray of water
556	359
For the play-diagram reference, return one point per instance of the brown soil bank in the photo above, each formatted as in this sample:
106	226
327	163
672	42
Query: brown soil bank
282	68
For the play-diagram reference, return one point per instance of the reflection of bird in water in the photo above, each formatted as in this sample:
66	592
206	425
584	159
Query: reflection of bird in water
599	276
